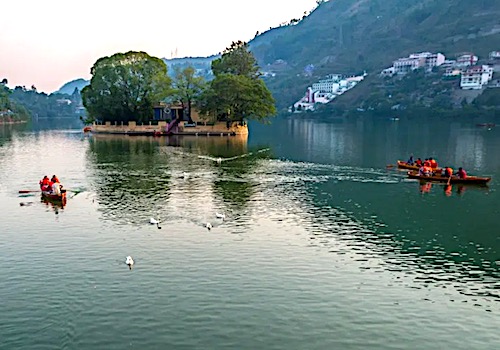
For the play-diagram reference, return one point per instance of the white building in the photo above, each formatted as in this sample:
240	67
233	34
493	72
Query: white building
324	91
405	65
388	72
330	84
434	60
495	55
474	78
425	60
465	60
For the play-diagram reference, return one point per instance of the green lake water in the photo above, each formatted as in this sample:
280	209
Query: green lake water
322	246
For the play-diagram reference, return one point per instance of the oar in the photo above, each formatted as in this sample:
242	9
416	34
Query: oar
389	166
449	179
30	191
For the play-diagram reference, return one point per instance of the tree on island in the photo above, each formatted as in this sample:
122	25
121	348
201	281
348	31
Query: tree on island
125	87
187	87
237	92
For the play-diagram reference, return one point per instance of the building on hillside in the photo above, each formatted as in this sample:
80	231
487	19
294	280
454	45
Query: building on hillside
64	101
324	91
494	55
434	60
466	59
452	72
425	60
388	72
408	64
476	77
330	84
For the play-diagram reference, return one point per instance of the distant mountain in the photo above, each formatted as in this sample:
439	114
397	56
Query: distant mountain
202	65
350	36
69	88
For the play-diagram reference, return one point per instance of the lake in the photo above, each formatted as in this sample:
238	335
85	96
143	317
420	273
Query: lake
323	246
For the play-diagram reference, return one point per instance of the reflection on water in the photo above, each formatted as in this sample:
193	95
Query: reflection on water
449	189
316	232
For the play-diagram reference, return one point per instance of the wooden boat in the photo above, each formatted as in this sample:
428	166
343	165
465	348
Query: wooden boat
486	125
454	179
404	165
54	197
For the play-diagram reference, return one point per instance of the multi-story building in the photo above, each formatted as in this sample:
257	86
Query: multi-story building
495	55
474	78
405	65
425	60
330	84
467	59
434	60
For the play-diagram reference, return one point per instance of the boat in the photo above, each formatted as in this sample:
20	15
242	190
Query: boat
55	198
87	129
486	125
404	165
454	179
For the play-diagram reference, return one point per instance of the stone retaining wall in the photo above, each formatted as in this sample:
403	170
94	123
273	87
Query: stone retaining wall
183	128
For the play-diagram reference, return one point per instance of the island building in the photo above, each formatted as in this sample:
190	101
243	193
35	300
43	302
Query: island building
173	119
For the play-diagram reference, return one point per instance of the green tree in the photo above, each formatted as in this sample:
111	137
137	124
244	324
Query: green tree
236	60
237	92
125	86
187	87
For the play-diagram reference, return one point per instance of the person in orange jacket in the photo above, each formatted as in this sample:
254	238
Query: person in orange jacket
44	183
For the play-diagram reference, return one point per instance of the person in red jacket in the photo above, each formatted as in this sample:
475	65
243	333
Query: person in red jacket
461	173
44	183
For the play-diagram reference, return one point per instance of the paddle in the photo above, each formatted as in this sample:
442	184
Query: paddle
30	191
389	166
449	179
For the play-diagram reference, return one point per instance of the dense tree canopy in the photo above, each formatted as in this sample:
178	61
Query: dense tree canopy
237	92
125	87
236	60
187	87
9	109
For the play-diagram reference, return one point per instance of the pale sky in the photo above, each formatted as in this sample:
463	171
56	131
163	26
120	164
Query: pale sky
49	43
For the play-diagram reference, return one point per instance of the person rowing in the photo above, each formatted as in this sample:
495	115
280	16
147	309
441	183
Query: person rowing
56	185
410	160
461	173
45	183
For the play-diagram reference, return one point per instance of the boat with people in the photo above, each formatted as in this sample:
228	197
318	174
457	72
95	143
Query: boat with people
405	165
52	190
452	179
54	197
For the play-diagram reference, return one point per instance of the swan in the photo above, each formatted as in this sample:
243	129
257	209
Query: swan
220	216
129	261
209	226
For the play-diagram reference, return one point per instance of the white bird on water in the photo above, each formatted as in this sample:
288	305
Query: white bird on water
220	216
153	221
129	261
209	226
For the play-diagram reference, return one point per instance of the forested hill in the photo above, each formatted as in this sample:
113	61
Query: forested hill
350	36
69	88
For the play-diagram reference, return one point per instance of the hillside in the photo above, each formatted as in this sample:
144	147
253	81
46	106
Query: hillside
349	36
69	87
352	36
202	65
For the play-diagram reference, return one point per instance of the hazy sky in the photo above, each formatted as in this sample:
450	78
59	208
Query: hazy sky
48	43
